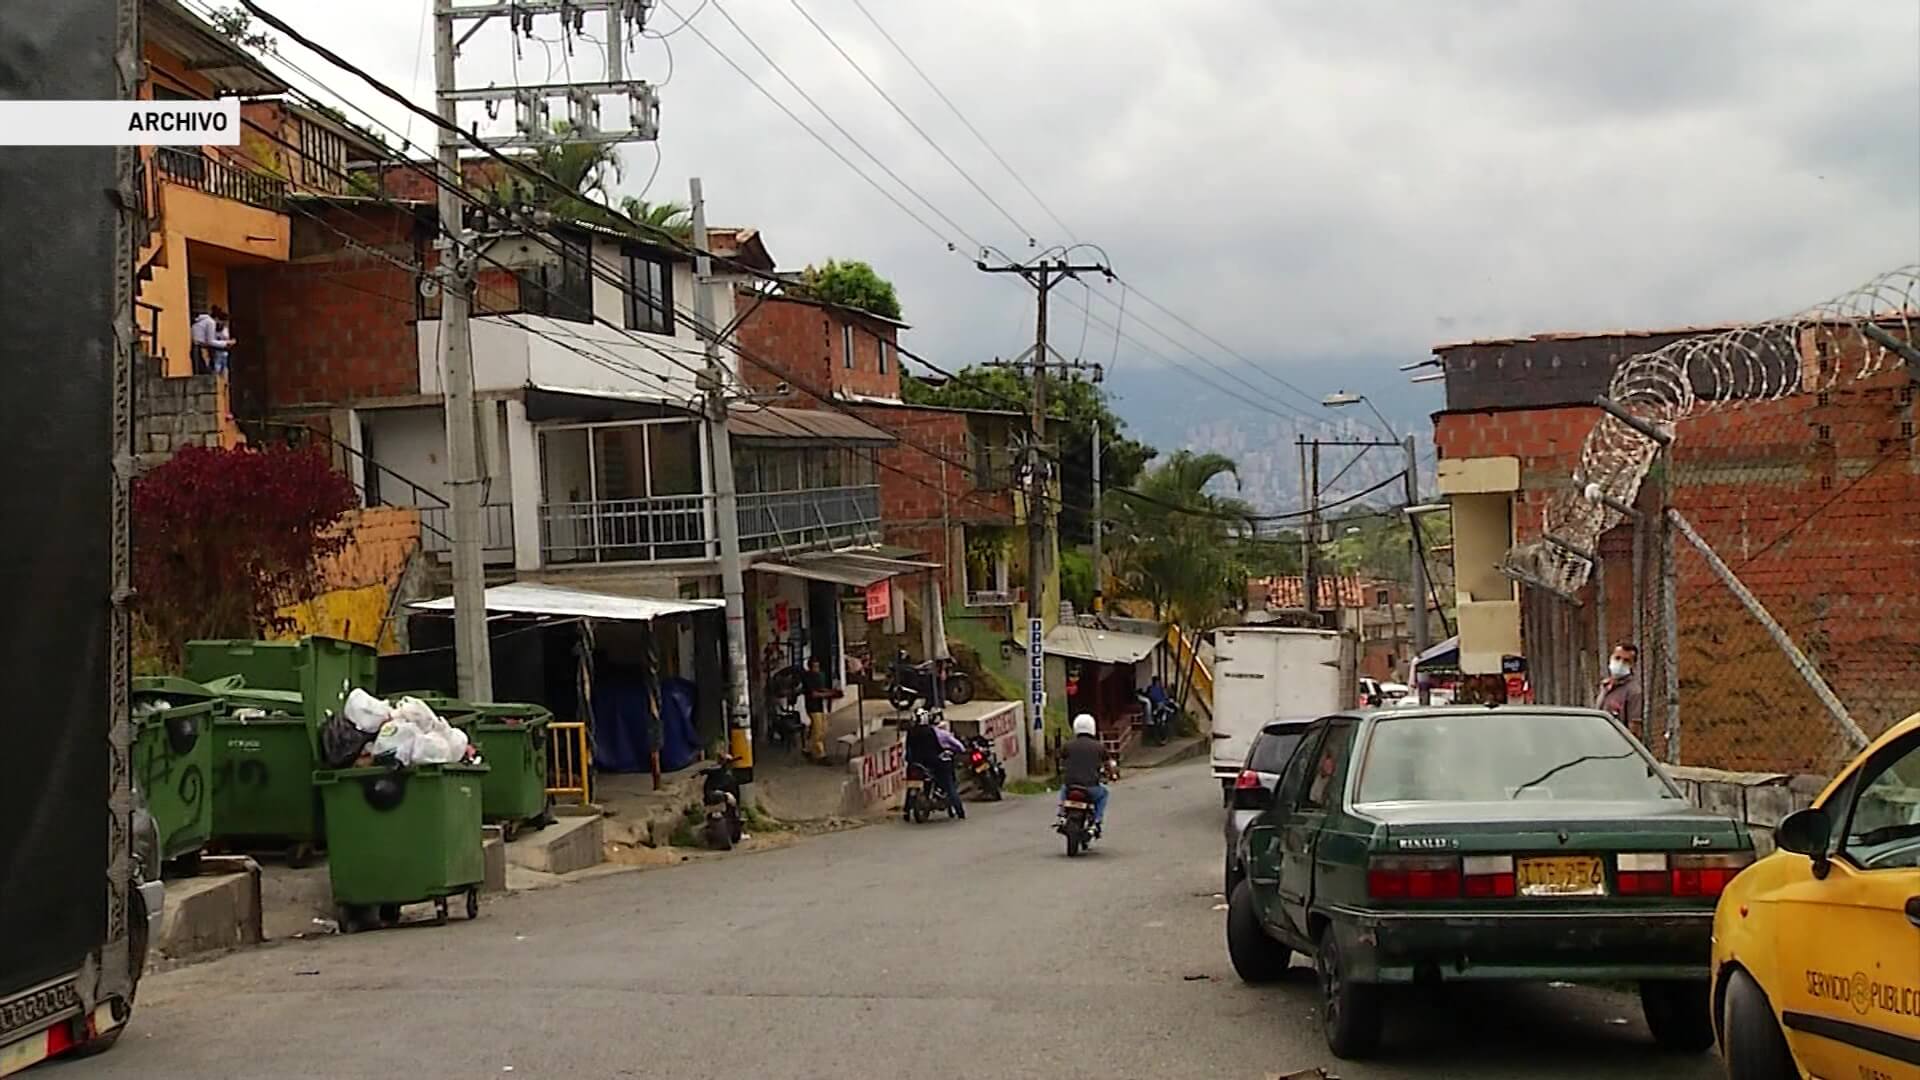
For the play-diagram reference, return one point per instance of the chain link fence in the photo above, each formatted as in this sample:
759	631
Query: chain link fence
1747	510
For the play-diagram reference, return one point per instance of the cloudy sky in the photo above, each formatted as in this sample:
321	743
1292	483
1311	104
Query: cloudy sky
1327	188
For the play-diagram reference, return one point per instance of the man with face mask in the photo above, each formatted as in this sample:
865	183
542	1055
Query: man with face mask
1620	692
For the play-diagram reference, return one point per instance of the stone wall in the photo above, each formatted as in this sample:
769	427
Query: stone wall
1761	800
169	413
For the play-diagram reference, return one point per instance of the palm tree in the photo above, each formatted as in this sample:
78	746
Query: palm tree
669	218
1175	555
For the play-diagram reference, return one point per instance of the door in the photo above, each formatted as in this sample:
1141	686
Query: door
823	622
1319	784
1270	863
1849	943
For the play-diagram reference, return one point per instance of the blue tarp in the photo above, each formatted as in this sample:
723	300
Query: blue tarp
621	711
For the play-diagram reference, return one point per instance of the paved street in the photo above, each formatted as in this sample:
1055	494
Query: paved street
952	949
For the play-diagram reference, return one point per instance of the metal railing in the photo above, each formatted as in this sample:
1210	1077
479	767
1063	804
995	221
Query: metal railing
569	760
373	494
496	524
792	519
681	526
990	598
191	168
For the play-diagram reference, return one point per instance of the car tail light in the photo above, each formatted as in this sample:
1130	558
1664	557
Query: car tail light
1707	875
1413	877
1487	876
1247	781
1642	874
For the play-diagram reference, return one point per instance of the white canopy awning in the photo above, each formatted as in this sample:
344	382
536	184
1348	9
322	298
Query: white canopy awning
529	598
1099	646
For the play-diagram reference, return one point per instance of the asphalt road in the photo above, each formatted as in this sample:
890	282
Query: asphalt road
950	949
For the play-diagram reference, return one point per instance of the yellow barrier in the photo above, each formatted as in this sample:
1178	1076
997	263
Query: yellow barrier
1183	647
569	761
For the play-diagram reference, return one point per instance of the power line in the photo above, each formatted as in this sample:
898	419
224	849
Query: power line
1216	343
930	141
931	85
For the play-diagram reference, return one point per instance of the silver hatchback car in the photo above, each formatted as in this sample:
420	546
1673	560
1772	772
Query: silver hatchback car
1252	791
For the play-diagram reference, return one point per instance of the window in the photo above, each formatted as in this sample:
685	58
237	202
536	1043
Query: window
649	293
564	291
1329	768
1382	598
1274	747
1503	755
846	344
1293	781
885	348
1883	823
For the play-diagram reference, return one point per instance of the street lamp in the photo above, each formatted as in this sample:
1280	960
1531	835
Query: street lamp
1341	398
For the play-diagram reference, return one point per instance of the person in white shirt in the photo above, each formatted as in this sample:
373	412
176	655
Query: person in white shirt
212	342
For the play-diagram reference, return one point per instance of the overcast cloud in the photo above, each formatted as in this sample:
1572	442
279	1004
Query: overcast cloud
1330	188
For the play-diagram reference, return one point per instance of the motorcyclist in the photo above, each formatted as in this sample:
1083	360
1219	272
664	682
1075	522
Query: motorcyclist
1084	764
933	749
1159	706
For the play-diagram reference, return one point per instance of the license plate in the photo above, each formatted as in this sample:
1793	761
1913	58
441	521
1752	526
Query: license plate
914	785
982	767
1560	875
1072	805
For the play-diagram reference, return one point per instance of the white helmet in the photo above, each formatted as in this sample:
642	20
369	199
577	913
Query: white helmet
1084	725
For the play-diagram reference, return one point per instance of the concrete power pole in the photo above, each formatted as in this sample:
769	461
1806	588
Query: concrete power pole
533	115
1421	633
726	502
1099	518
473	657
1042	276
1310	479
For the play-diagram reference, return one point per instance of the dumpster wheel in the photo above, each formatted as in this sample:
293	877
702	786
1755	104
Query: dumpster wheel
439	911
389	914
473	903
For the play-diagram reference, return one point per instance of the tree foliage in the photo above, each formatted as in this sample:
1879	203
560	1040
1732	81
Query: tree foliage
1073	407
236	25
852	283
668	218
225	538
1172	546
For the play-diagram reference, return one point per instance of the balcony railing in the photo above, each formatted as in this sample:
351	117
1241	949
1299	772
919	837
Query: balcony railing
193	169
679	527
496	523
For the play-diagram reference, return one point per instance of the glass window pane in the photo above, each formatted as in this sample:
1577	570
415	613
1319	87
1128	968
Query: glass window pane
620	456
1506	754
676	459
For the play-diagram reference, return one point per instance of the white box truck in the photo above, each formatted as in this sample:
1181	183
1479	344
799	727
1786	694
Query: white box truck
1267	673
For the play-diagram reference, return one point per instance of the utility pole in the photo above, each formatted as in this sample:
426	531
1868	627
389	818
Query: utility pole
1099	520
1421	633
732	580
459	248
473	656
1310	475
1042	275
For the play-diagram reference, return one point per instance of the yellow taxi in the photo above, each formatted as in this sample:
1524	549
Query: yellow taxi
1816	948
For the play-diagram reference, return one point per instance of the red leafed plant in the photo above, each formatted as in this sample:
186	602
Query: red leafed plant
222	539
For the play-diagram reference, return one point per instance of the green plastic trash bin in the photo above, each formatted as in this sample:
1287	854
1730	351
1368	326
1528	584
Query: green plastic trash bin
173	764
327	670
263	665
263	772
512	740
402	836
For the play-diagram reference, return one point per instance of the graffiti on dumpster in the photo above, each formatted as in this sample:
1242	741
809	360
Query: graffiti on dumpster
154	769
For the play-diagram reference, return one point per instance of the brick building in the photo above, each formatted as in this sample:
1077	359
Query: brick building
945	484
1378	613
1810	499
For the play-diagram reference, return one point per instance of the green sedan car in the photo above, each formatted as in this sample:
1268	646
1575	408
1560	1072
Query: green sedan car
1429	845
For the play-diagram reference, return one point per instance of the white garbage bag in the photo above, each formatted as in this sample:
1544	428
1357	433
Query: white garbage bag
433	748
457	740
399	738
366	712
419	714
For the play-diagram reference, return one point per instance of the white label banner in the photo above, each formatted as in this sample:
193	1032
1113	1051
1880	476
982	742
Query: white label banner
120	123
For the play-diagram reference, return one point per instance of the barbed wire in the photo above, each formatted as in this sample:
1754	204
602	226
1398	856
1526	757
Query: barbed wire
1812	351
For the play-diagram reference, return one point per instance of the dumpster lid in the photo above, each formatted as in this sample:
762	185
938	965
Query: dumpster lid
529	598
172	687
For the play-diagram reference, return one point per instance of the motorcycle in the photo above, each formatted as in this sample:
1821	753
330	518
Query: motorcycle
721	800
1076	821
908	682
988	773
924	794
788	729
1158	720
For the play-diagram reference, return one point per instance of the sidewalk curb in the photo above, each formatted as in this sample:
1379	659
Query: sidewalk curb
1186	753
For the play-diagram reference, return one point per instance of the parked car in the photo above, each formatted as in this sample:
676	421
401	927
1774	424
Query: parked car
1431	845
1253	789
1374	693
1816	958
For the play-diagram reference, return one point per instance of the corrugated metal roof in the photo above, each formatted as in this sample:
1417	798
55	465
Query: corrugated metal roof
859	568
819	425
228	66
1099	646
532	598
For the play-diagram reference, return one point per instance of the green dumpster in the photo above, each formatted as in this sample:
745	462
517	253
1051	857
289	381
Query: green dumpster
263	772
402	836
173	764
327	670
263	665
512	740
